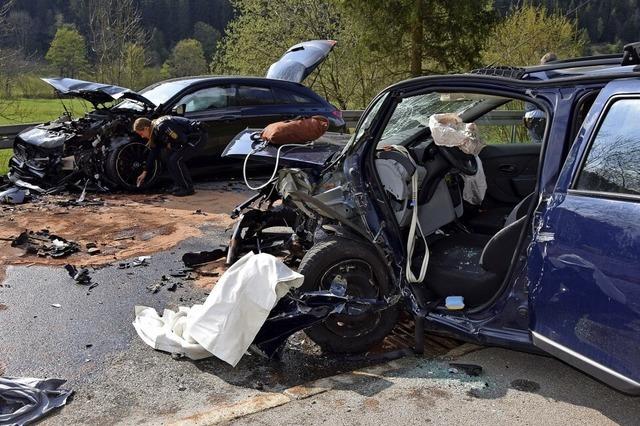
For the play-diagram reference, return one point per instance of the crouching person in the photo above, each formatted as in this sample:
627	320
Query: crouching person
179	137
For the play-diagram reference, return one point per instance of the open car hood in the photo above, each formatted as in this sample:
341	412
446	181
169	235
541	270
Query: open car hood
300	60
96	93
316	156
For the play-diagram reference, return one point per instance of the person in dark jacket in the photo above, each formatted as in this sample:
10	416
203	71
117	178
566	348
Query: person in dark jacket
179	137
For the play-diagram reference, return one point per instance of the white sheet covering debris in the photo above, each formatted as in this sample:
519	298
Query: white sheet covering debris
228	321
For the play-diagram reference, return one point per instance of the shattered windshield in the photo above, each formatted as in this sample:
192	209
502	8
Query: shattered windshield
157	94
415	111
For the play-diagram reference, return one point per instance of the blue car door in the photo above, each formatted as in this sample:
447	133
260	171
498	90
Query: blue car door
584	262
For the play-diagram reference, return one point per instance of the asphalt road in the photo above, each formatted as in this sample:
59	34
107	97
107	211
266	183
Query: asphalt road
90	342
514	389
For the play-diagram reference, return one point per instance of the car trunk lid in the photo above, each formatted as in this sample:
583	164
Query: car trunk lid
300	60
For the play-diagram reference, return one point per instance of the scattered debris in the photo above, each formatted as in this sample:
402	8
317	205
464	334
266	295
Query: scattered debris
26	400
140	261
469	369
45	244
80	276
198	258
14	195
83	203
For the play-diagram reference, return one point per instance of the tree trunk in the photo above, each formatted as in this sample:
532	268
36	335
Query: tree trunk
417	37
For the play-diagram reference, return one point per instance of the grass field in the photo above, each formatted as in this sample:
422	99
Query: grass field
5	154
39	110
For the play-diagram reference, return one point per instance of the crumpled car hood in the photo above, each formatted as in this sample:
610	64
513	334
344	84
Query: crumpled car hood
314	156
96	93
48	137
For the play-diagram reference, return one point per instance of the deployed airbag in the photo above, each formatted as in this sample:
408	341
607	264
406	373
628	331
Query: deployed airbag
450	130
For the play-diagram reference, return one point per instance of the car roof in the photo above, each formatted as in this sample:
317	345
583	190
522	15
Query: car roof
234	78
563	72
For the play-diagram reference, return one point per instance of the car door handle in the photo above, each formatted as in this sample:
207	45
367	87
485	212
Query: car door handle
507	168
228	117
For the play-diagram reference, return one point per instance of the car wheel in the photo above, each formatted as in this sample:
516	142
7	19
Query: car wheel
125	163
358	267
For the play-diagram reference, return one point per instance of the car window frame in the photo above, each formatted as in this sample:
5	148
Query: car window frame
572	189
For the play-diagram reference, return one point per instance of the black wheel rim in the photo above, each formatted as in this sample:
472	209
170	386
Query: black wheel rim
130	163
357	276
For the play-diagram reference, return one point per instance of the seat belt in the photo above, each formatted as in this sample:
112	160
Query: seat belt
415	227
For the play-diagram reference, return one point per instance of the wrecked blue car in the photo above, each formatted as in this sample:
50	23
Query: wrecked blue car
497	238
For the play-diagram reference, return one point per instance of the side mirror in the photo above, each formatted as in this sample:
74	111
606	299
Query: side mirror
180	110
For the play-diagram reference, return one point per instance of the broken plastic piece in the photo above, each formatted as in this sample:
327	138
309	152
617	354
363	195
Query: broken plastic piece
13	195
25	400
197	258
454	303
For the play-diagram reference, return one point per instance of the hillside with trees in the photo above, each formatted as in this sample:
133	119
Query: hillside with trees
134	43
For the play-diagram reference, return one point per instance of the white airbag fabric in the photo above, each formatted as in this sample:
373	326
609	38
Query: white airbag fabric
475	186
449	130
228	321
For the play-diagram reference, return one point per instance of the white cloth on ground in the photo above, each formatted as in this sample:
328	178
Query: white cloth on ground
229	320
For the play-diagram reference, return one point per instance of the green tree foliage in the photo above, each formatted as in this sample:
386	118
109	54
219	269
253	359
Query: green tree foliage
426	35
263	31
207	36
134	62
529	32
187	58
68	51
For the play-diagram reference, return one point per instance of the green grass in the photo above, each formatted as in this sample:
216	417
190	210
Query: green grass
39	110
5	155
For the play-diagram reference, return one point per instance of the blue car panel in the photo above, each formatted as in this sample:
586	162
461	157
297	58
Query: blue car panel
584	264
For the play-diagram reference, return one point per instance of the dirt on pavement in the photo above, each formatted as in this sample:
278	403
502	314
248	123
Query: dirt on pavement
125	226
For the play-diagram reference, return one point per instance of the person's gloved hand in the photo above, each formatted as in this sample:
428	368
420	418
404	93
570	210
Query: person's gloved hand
141	178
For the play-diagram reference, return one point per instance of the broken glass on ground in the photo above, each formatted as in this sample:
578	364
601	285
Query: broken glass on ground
26	400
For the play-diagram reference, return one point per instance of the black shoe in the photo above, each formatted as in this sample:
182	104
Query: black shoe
183	192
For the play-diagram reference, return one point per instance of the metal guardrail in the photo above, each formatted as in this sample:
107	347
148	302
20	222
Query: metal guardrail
351	117
7	133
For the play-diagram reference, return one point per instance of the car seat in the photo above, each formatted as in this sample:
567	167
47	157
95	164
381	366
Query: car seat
474	265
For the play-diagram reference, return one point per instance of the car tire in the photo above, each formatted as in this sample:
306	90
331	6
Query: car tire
361	268
125	162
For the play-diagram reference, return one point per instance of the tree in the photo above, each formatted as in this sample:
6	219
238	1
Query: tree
425	35
187	58
68	52
263	31
134	61
529	32
113	25
207	36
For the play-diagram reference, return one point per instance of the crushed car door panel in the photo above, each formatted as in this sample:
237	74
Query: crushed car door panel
584	262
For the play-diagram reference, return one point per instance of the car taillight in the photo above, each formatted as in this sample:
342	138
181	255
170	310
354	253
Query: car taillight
337	113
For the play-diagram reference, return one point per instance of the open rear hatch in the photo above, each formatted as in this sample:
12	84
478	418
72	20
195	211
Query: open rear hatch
301	60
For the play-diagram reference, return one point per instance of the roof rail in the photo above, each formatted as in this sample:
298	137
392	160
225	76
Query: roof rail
631	54
501	71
